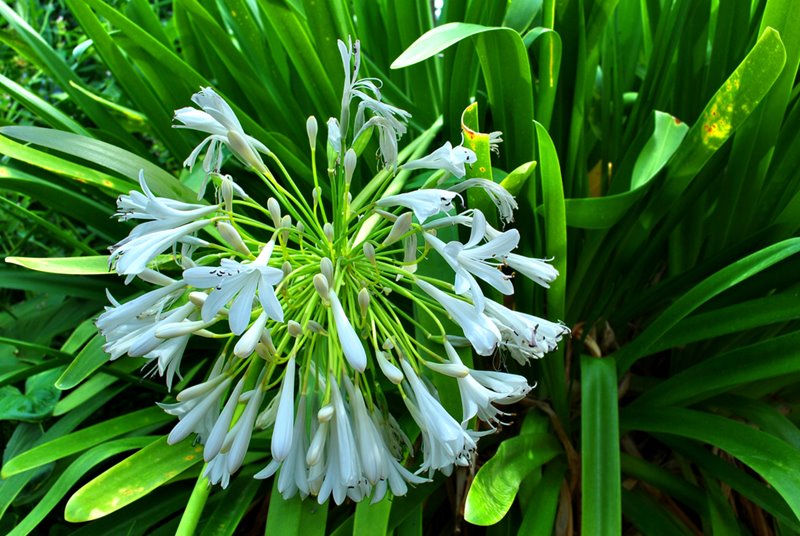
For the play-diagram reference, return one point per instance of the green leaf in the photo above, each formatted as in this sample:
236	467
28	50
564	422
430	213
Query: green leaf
701	293
108	184
94	265
131	479
83	439
295	516
723	115
549	172
767	455
507	74
495	485
89	359
736	318
231	506
372	518
515	181
540	515
771	358
37	403
604	212
41	108
107	156
600	466
435	41
71	475
667	136
649	516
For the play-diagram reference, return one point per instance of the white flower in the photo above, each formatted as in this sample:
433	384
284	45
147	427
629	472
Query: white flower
282	430
167	356
424	203
525	336
343	467
134	252
495	139
218	119
137	338
446	157
377	462
444	441
242	281
220	429
163	213
334	135
396	474
471	258
480	389
537	270
234	445
198	407
387	118
504	201
293	476
481	332
348	338
148	304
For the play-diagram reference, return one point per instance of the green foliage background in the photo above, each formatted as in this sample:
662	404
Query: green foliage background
666	187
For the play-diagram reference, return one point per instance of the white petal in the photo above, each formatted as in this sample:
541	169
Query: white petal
348	338
282	431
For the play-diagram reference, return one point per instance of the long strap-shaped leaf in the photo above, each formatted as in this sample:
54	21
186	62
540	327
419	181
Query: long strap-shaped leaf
707	289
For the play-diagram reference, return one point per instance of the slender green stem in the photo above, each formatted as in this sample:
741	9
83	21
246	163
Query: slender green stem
194	508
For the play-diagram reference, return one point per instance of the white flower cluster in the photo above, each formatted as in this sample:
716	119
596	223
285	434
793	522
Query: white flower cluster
312	300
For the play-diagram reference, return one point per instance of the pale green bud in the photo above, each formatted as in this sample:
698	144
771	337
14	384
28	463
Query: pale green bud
326	267
294	328
311	129
369	252
349	165
400	227
274	211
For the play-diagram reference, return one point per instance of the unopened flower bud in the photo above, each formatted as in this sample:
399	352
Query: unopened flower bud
410	253
392	373
315	327
369	252
274	211
453	370
311	129
363	301
400	227
247	343
321	284
286	224
315	195
179	329
388	215
243	150
198	298
286	268
325	413
266	348
294	328
300	227
154	277
349	165
326	267
229	233
226	193
328	230
388	344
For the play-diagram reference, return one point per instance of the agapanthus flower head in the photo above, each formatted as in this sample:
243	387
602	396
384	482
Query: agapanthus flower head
312	301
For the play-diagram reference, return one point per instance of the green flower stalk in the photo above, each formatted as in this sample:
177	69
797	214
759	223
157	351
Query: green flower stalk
309	297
